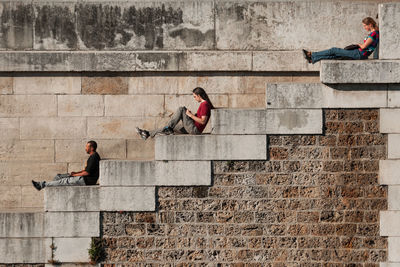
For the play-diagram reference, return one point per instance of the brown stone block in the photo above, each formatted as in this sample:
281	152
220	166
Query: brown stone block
322	229
140	150
298	230
346	229
367	229
278	153
371	127
353	166
6	85
353	216
308	216
371	216
333	166
135	229
331	216
246	100
100	85
328	140
376	191
291	166
375	152
299	140
10	197
378	255
340	153
377	204
376	242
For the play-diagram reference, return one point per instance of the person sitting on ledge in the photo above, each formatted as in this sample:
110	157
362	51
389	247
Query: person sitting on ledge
88	176
361	51
192	123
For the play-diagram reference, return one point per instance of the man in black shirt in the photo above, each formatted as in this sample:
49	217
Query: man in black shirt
88	176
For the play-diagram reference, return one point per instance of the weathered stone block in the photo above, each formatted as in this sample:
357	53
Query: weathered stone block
27	150
28	106
26	250
211	147
10	197
74	150
393	249
127	198
100	85
80	105
394	197
216	61
161	61
387	122
9	128
393	96
72	198
31	199
134	105
388	174
389	264
252	121
393	146
146	173
389	28
140	150
246	100
172	103
317	95
282	61
53	128
6	85
71	250
21	224
360	71
72	224
389	222
47	84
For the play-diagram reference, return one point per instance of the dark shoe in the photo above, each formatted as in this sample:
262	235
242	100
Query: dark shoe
168	130
143	133
36	185
307	56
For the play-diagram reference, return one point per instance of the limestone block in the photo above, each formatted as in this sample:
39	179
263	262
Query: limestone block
80	105
10	197
39	84
388	172
282	61
102	62
388	123
31	198
389	31
273	121
393	249
21	224
389	222
74	150
118	127
146	173
288	25
53	128
72	198
26	250
27	150
389	264
28	106
142	84
6	85
211	147
394	197
9	128
216	61
134	105
360	71
393	146
127	198
393	96
109	85
317	95
73	167
72	224
138	149
71	250
156	61
172	103
246	100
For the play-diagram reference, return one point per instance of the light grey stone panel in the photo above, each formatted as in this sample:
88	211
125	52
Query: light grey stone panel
360	71
393	249
318	95
272	121
389	264
23	250
388	123
389	31
161	61
72	198
393	146
394	197
216	61
394	95
21	224
389	223
147	173
282	61
127	198
71	250
72	224
389	172
211	147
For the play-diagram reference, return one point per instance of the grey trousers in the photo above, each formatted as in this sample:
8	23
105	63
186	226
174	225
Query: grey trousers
64	179
179	115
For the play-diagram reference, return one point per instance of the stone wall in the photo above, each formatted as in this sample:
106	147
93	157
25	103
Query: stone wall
315	202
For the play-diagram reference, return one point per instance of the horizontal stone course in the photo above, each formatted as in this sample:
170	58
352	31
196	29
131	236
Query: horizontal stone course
52	84
28	106
127	199
16	224
251	121
72	198
134	105
72	224
389	221
27	150
25	250
80	105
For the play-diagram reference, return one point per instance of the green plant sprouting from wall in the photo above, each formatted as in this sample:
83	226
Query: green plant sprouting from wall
96	250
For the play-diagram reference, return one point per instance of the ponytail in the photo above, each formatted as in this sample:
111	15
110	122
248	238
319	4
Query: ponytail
202	93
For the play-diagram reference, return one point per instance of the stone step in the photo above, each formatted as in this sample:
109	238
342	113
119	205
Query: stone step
26	224
360	71
270	121
389	172
393	146
72	224
154	173
389	223
127	198
211	147
72	198
389	28
394	197
24	250
393	249
318	95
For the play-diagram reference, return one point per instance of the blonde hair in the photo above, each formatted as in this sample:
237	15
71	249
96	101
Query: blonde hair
370	21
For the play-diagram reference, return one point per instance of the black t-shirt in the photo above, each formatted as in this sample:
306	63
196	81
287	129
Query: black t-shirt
92	167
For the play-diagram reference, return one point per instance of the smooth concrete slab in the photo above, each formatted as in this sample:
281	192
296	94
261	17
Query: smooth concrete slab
360	71
318	95
26	224
394	197
127	199
389	172
23	250
389	30
388	122
389	223
160	173
72	224
393	249
211	147
261	121
72	198
393	146
70	250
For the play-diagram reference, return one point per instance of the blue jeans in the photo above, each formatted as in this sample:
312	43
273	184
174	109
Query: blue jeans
334	53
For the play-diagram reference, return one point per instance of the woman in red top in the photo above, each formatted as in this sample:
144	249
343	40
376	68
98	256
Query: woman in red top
192	123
